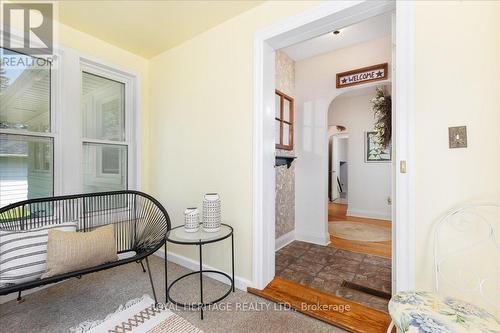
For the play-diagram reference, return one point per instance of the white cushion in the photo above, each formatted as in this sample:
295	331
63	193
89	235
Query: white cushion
23	253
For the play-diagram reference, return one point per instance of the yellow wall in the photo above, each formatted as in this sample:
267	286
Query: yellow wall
94	47
457	83
201	121
201	125
196	111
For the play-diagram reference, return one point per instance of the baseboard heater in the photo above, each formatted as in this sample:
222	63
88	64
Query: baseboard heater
367	290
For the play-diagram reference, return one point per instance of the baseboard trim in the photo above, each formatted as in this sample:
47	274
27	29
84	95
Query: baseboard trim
239	282
368	214
323	240
284	240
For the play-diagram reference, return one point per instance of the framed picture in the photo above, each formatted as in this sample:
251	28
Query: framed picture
374	152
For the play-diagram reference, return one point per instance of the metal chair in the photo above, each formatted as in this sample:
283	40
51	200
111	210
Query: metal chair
140	222
466	237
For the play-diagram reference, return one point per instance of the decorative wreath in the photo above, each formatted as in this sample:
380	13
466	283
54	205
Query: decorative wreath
382	110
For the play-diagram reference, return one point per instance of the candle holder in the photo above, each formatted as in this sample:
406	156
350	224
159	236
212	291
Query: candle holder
211	212
191	219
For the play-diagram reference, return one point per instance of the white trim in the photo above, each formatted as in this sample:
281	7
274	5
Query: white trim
403	259
239	282
319	20
319	239
284	240
368	214
28	133
93	67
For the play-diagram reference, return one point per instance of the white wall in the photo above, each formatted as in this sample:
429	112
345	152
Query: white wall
369	183
315	90
343	145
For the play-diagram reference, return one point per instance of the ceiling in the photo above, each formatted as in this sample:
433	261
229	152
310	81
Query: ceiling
148	28
373	28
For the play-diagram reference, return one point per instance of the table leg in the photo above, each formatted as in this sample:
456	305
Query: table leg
166	277
201	282
232	258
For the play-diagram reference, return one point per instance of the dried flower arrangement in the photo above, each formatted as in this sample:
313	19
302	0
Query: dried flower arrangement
382	110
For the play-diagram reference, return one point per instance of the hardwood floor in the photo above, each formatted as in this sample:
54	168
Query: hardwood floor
338	212
334	310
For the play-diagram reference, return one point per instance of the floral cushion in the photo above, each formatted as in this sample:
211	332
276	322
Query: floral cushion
425	312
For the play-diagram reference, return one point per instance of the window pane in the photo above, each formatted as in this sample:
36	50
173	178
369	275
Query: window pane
286	134
103	108
277	133
277	100
26	168
104	167
286	110
24	92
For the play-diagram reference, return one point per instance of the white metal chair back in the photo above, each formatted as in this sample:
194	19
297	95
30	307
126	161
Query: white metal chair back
467	255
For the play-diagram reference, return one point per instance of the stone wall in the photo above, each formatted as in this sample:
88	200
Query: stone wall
285	178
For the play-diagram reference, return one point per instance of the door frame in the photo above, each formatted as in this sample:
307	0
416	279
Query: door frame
318	20
335	140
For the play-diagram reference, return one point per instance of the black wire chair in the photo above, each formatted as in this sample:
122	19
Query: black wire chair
140	222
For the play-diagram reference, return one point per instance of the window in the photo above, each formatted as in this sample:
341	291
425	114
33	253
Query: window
66	126
284	121
104	142
26	128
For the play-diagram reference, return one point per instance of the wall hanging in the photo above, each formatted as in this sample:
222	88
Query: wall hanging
362	75
374	151
382	110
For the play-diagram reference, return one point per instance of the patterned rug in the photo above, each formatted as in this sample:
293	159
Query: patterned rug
139	316
359	231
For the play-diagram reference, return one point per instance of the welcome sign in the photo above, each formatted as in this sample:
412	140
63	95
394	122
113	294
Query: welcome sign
362	75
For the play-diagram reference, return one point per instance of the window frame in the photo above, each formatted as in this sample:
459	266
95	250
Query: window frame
129	141
53	133
74	64
282	121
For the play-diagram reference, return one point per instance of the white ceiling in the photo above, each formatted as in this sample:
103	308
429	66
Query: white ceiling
376	27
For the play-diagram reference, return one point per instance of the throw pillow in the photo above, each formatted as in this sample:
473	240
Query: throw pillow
72	251
23	253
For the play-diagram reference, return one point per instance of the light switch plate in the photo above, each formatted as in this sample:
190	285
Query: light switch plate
457	136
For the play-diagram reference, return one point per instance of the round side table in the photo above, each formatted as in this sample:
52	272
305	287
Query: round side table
177	235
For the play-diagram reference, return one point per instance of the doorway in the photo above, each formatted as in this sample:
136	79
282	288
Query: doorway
338	168
322	20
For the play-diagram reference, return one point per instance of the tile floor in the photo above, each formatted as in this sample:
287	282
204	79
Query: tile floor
324	268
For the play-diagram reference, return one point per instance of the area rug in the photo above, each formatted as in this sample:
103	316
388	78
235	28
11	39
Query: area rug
359	231
139	316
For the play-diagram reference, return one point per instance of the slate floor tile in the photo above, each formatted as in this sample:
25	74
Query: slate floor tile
325	268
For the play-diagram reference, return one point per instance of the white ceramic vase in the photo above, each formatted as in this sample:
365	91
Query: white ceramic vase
211	212
191	219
